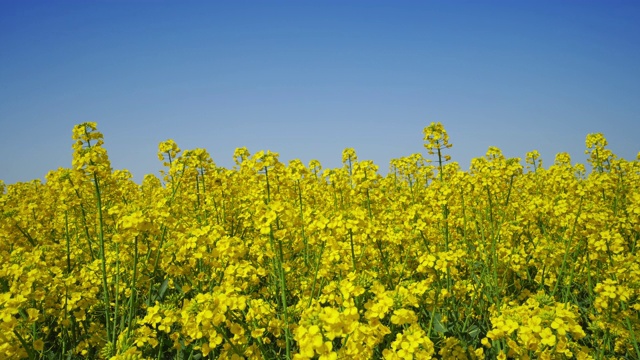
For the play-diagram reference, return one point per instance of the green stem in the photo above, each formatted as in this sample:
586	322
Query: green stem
315	276
567	249
280	273
304	237
103	260
353	254
116	298
67	239
132	299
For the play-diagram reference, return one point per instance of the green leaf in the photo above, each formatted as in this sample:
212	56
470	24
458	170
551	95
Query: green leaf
163	289
438	325
474	331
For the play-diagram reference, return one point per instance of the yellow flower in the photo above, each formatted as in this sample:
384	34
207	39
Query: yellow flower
38	345
548	338
403	316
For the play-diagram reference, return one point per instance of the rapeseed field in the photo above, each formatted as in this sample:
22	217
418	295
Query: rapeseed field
269	260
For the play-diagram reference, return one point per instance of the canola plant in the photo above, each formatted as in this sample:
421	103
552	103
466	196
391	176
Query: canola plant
290	261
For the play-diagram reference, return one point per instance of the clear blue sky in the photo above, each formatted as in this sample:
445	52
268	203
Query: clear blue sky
310	78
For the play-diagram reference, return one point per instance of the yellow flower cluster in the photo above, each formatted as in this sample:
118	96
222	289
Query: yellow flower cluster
539	328
269	260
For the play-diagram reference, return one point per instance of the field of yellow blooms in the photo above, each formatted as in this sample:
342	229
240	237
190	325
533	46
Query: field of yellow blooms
286	261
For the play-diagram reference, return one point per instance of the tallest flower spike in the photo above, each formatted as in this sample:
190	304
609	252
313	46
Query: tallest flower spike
436	139
88	153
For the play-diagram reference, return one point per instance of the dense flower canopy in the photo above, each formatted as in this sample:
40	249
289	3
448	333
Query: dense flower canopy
273	260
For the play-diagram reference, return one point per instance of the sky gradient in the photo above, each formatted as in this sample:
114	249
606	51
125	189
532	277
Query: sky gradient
310	78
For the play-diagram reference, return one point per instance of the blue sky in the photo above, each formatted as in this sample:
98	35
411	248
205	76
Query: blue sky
310	78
